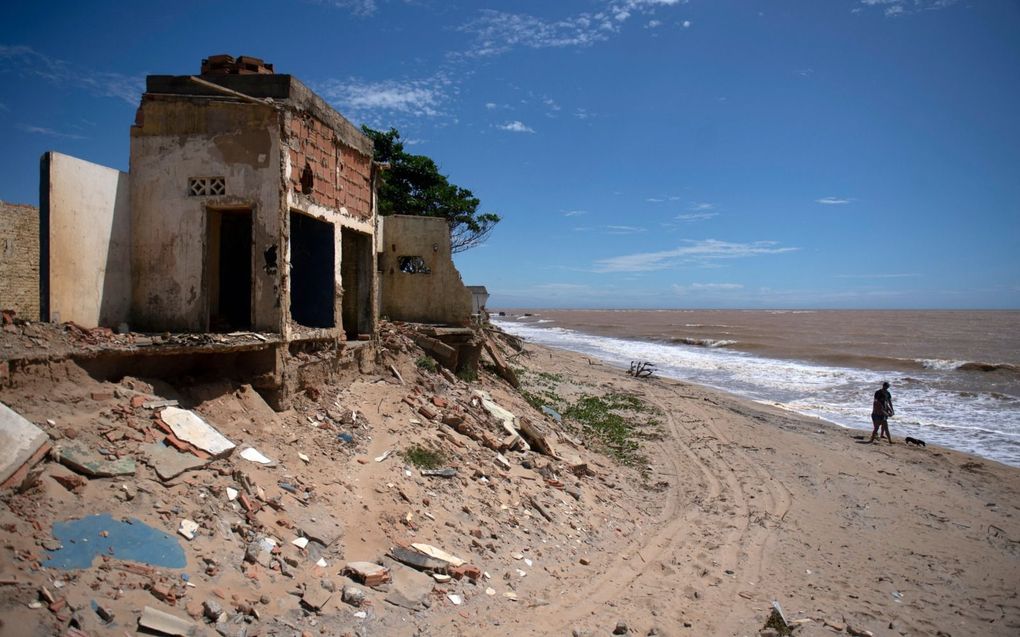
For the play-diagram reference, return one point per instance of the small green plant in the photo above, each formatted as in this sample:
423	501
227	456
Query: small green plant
423	458
602	420
427	363
468	375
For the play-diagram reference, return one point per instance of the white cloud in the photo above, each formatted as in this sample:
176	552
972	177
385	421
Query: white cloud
516	127
833	201
372	100
25	61
653	24
357	7
695	216
686	24
703	252
894	8
497	32
575	213
49	132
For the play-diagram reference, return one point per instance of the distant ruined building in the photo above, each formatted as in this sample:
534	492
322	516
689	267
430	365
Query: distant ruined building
249	211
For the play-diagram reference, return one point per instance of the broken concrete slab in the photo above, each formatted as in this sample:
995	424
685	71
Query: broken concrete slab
409	589
19	441
316	597
437	553
79	457
169	463
190	428
165	623
317	524
84	539
415	559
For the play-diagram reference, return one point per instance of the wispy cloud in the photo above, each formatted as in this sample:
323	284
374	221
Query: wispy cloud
372	100
27	62
695	216
893	275
497	32
703	252
894	8
357	7
623	229
706	287
49	132
516	127
574	213
583	113
662	199
833	201
686	24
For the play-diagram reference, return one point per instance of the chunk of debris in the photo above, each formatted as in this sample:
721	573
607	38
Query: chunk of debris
409	588
165	623
20	445
169	463
190	428
353	595
252	455
437	553
416	559
316	597
367	573
80	458
187	528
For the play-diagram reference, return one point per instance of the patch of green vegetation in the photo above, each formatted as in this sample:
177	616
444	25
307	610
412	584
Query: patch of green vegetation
549	376
423	458
610	422
427	363
467	375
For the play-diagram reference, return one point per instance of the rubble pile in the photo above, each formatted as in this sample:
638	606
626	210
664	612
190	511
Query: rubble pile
196	509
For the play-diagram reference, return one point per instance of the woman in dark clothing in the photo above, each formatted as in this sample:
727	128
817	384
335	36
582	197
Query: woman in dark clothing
881	410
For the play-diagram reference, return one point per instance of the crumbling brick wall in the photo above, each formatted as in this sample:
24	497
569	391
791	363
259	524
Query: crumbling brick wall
340	175
19	259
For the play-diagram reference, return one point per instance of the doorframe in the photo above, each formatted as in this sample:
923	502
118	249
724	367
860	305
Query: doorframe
210	211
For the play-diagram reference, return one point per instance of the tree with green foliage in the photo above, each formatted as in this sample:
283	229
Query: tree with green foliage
413	185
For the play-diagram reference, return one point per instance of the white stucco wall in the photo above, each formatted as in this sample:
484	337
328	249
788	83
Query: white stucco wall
89	231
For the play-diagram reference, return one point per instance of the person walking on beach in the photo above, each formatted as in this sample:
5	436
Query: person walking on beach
881	410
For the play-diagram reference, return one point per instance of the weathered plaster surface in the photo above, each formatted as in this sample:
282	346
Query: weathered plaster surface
89	236
19	260
177	139
437	297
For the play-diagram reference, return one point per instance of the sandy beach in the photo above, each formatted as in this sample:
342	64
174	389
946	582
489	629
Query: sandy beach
733	505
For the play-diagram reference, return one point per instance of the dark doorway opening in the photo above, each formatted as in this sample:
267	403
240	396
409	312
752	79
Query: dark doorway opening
356	276
312	267
229	266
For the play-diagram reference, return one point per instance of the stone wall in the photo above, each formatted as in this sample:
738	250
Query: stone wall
19	260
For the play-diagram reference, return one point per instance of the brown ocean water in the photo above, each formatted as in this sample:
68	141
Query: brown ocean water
956	374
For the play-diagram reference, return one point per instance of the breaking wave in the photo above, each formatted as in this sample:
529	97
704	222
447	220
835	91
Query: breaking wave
701	342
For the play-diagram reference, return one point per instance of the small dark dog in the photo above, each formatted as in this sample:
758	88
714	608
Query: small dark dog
915	441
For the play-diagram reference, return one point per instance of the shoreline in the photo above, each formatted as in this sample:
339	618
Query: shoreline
932	404
771	504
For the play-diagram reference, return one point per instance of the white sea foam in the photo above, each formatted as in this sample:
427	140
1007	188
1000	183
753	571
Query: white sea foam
939	363
927	406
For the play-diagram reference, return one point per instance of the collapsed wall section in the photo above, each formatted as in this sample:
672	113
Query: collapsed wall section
85	238
419	281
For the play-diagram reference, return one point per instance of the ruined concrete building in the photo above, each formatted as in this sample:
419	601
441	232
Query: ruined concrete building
249	206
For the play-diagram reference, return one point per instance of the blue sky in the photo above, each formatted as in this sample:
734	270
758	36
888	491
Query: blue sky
643	153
